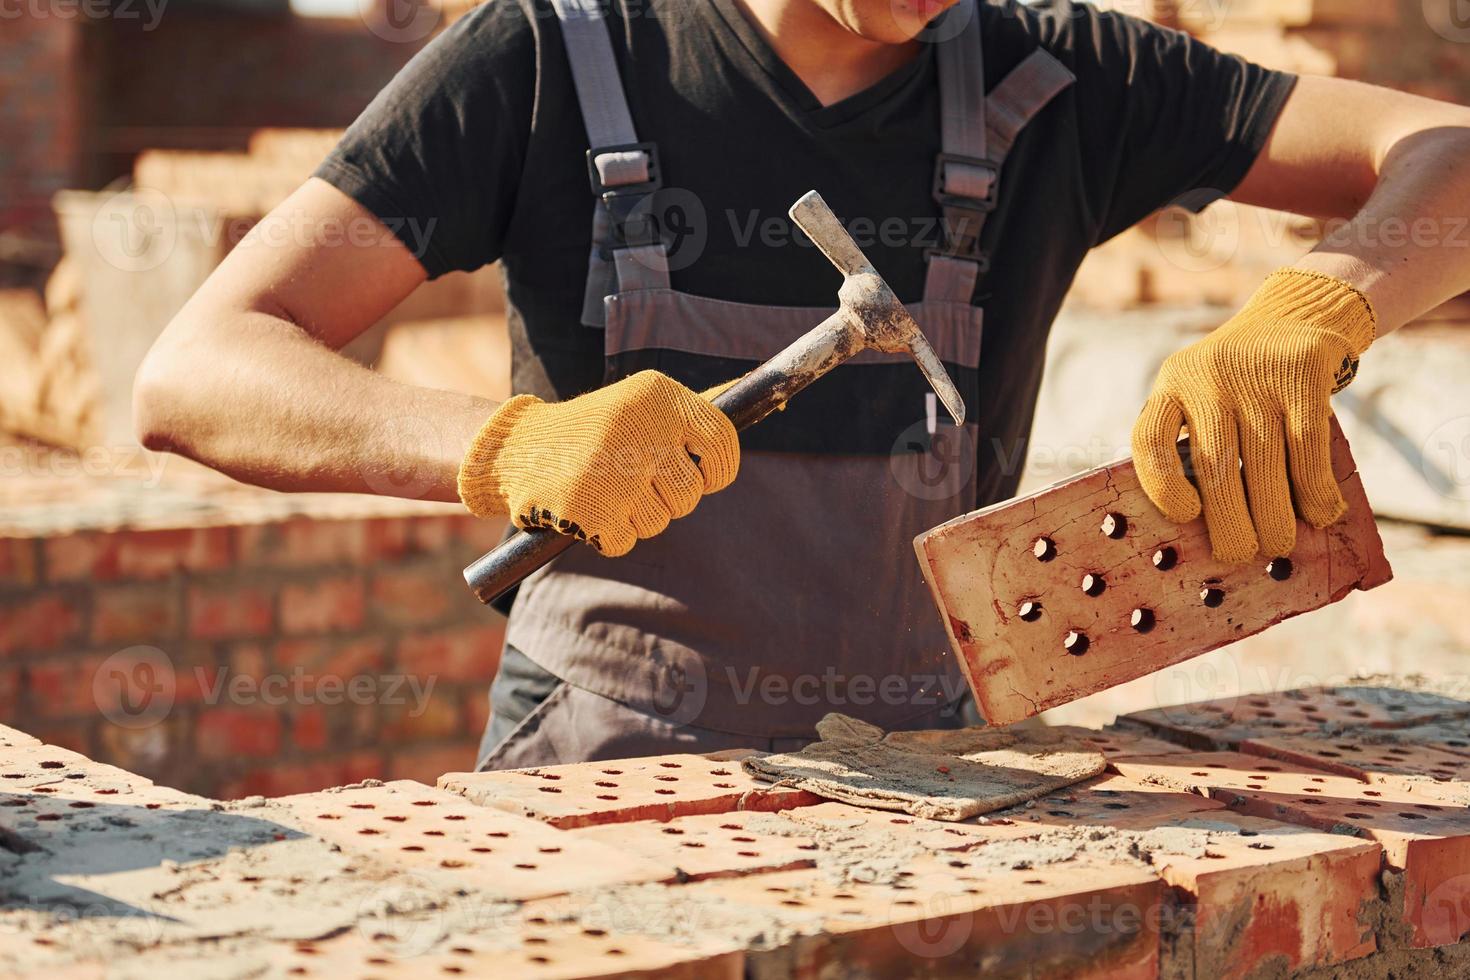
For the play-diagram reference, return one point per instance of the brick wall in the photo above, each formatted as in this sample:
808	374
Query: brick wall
266	656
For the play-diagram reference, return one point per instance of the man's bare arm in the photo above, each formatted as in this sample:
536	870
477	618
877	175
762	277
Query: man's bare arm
247	378
1398	167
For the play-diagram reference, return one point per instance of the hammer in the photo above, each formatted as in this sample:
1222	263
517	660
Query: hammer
869	316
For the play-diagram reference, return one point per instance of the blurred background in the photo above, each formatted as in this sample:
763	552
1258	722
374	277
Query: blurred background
162	618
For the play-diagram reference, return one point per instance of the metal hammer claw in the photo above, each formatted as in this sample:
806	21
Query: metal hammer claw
869	316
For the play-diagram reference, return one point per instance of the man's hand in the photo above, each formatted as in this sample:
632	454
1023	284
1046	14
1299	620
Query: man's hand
609	467
1255	395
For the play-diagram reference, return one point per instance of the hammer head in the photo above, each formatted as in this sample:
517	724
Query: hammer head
869	303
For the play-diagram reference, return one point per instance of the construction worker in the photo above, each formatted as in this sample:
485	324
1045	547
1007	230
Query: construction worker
977	148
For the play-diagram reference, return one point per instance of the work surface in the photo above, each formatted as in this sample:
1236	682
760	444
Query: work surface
1320	832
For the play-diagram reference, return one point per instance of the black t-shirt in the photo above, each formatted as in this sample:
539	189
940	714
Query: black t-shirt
480	141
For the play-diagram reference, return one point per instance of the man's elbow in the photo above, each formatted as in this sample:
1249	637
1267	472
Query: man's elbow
157	403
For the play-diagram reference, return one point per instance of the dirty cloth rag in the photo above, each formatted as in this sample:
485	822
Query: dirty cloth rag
941	775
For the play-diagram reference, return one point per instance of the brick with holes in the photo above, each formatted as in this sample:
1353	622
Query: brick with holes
1419	768
1116	743
584	794
1083	586
1262	891
1425	839
528	948
956	916
712	845
1225	722
501	854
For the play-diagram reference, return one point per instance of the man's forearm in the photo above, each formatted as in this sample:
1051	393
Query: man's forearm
1408	248
259	400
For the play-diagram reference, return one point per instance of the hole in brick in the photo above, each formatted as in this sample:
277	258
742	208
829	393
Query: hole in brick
605	796
1356	816
1279	569
1428	806
526	867
48	816
82	805
717	786
498	833
797	901
719	772
461	950
362	806
539	960
605	784
424	802
1165	558
806	847
594	933
1093	584
369	831
451	863
1199	774
112	792
1029	611
664	792
612	772
1254	786
743	840
669	765
748	854
536	920
49	764
1214	856
1076	643
549	789
1410	815
1044	549
899	820
549	850
395	819
731	826
672	830
1142	620
411	847
550	775
667	779
1212	596
454	816
613	951
692	843
483	850
1115	806
1114	525
1033	881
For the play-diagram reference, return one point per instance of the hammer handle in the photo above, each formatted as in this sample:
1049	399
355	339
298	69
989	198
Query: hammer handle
746	402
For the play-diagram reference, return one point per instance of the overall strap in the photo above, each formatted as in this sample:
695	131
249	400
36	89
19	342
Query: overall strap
976	134
627	253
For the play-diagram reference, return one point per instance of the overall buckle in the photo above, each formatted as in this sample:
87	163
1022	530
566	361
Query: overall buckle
630	226
944	196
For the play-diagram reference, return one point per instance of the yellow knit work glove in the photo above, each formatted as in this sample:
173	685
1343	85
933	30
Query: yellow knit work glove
609	467
1255	395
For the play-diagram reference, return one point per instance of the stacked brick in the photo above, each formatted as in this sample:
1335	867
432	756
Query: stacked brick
245	649
1239	859
1220	256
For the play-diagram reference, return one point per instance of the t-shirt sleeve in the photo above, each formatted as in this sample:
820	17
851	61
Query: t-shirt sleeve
437	156
1165	119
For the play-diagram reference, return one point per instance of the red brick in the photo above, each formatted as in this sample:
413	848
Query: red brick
437	718
62	687
331	658
1266	892
309	728
427	764
19	564
943	915
387	538
238	733
435	534
476	706
303	542
324	606
713	845
470	653
500	854
285	778
38	623
229	611
135	613
658	788
414	595
1223	723
1116	744
535	944
106	556
1426	839
980	567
